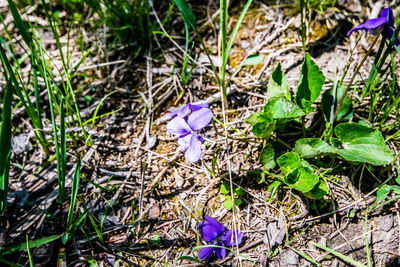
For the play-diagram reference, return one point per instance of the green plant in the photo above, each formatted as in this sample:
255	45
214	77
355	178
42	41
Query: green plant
5	146
14	74
354	142
128	20
226	45
237	194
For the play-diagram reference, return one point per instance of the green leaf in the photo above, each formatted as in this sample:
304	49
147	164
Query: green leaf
300	176
346	109
225	188
277	85
382	192
19	23
267	156
289	162
282	108
74	192
263	125
32	244
239	191
397	179
319	190
5	145
186	12
339	255
254	118
310	84
312	147
252	60
301	179
263	130
228	203
359	143
237	201
397	49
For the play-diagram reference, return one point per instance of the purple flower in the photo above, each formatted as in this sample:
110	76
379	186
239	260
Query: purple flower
385	20
214	233
183	112
187	130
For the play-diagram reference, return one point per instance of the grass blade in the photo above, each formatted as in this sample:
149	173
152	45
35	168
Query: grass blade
5	146
32	244
74	192
98	232
72	229
19	23
339	255
31	264
59	155
63	150
98	108
186	12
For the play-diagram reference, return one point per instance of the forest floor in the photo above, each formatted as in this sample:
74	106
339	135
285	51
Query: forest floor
136	185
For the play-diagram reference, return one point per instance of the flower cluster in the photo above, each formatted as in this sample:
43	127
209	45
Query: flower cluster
384	22
214	233
186	123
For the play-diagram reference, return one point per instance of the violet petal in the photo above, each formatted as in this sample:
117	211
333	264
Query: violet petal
210	229
193	152
183	112
206	253
221	252
178	126
184	142
200	119
196	107
369	25
219	227
387	13
230	238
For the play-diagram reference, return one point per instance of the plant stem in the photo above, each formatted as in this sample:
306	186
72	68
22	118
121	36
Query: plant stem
353	77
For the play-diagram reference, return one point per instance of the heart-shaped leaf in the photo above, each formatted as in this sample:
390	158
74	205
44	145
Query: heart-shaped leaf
255	118
277	85
310	84
300	176
319	190
225	189
282	108
312	147
360	143
228	203
289	162
304	180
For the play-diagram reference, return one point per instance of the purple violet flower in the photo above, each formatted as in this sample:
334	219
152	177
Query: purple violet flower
189	140
183	112
214	233
386	20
